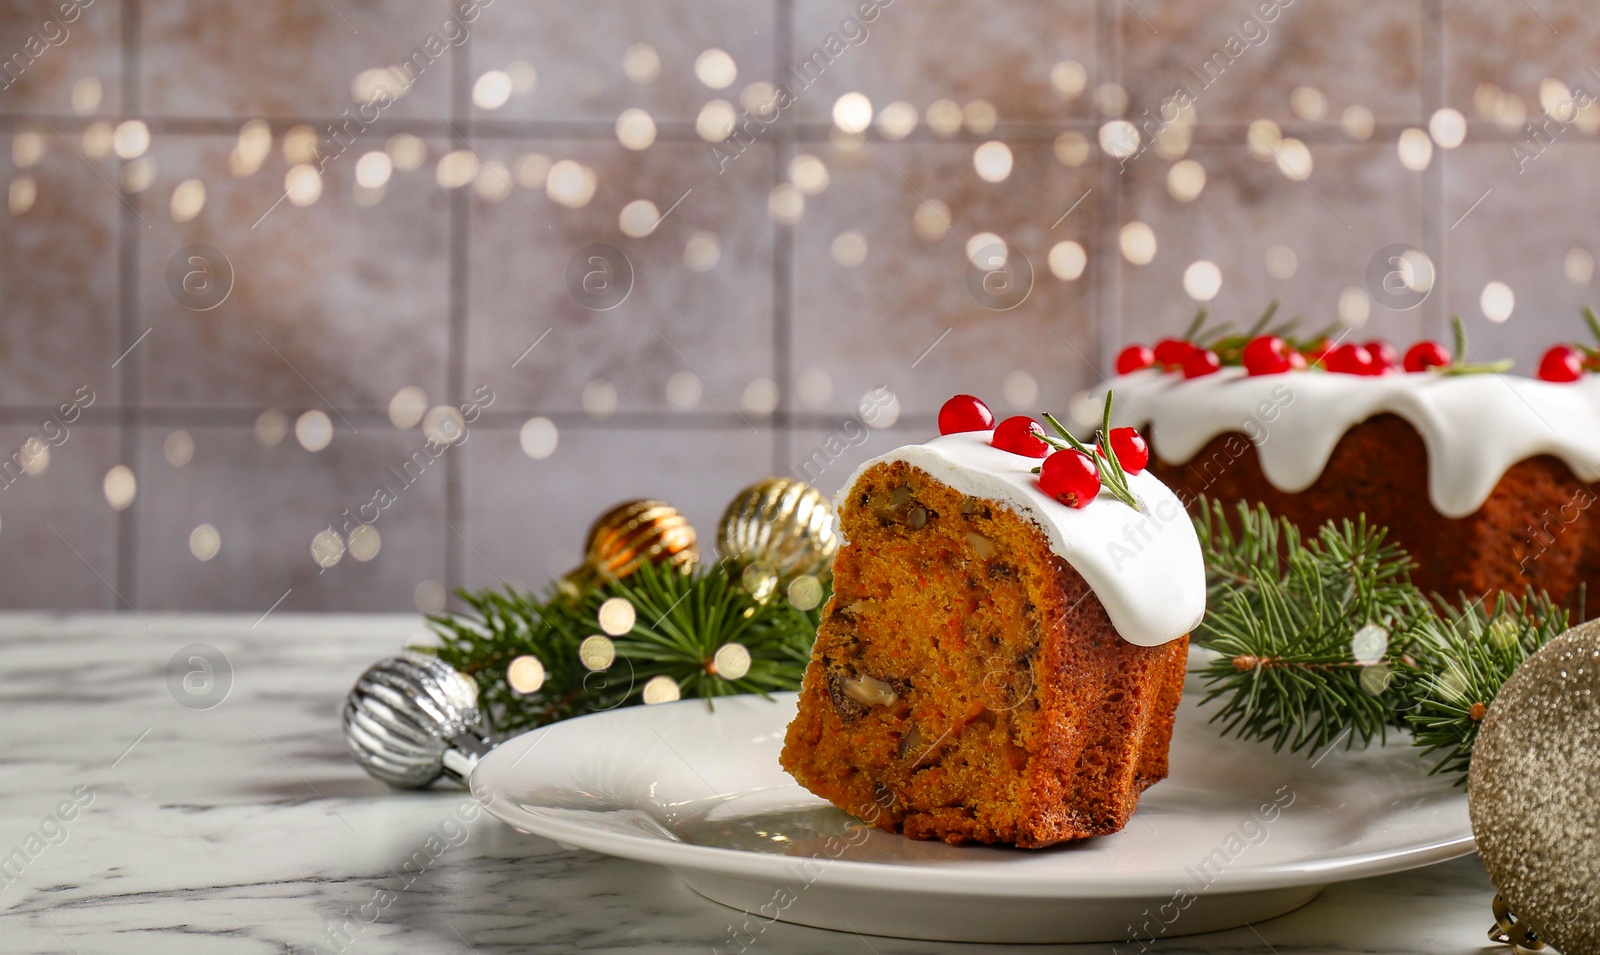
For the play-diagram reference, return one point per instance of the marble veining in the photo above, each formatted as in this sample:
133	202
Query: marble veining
246	829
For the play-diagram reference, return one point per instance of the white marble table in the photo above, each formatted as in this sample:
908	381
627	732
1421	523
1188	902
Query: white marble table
245	829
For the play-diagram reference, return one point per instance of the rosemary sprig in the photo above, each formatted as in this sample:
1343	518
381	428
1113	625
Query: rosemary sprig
1112	476
1198	332
1459	364
1230	348
1265	320
1591	354
1311	342
1196	325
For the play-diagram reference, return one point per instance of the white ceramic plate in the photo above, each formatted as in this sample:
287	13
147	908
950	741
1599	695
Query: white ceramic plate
1236	833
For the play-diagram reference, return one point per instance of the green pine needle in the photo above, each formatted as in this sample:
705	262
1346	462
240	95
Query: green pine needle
1466	656
681	620
1283	613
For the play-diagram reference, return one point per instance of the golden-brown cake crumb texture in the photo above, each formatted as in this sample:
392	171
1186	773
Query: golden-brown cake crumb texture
967	682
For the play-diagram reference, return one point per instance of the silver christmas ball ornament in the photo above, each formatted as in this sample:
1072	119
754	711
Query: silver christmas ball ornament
413	718
1534	794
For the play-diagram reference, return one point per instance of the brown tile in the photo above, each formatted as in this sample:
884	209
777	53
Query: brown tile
332	302
1520	234
716	323
1515	46
1357	200
907	318
293	58
267	504
950	49
58	266
526	520
1373	60
578	50
41	568
46	48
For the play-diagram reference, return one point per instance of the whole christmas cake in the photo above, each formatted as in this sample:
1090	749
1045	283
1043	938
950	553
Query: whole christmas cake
1485	479
1004	650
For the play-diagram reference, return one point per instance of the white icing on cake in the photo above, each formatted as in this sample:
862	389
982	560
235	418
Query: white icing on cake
1146	568
1475	427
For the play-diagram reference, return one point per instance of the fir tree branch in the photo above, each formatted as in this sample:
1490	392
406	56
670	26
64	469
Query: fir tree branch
681	620
1284	614
1465	657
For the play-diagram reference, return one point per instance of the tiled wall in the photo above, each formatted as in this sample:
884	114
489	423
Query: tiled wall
750	337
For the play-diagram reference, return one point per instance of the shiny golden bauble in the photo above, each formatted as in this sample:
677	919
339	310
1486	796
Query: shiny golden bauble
776	530
628	536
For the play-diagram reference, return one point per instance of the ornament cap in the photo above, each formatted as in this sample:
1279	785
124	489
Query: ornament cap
1507	930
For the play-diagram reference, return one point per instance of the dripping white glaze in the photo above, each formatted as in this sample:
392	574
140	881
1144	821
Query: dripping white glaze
1475	427
1146	568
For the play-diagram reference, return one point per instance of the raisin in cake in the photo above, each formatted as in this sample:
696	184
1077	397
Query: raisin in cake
1486	480
995	666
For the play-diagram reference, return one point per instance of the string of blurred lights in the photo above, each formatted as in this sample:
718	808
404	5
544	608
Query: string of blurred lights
571	183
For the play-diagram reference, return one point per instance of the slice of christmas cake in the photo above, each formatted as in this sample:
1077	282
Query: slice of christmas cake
1005	647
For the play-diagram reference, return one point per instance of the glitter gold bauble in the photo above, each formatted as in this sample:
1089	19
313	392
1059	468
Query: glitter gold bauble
1534	792
776	530
627	536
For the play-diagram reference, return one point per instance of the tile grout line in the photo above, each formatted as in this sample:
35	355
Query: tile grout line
1019	132
243	420
1108	210
128	379
1435	231
783	257
460	217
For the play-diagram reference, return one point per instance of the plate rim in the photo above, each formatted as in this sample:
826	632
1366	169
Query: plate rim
921	878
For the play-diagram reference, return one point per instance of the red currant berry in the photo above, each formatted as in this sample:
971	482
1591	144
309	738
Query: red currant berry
1383	354
1424	355
1070	477
1561	363
964	413
1132	451
1297	361
1170	352
1134	358
1317	354
1349	359
1022	435
1267	355
1200	362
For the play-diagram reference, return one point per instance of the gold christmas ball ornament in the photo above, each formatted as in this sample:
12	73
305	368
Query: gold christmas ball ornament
626	537
776	530
1534	795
